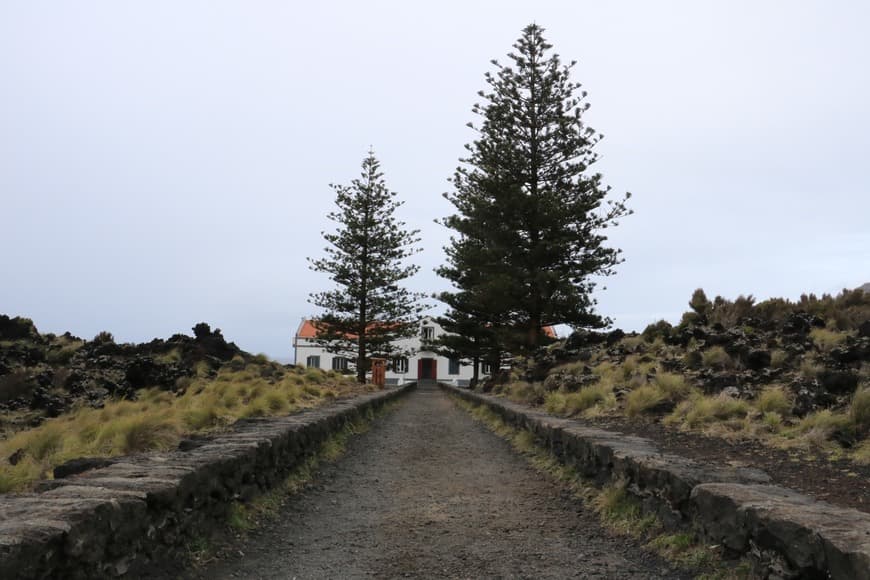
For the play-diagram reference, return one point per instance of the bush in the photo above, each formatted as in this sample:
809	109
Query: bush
587	398
661	329
774	400
674	387
643	399
859	412
823	423
717	358
104	337
827	339
703	410
810	370
778	359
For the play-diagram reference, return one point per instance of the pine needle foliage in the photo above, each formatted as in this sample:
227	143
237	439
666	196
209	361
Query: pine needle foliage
368	310
530	215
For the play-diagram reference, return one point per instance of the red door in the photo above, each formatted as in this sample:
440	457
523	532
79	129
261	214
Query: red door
427	369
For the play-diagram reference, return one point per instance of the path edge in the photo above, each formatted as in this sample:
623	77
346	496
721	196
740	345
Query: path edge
113	521
735	507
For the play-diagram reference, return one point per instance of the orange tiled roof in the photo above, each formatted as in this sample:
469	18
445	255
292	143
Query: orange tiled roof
306	329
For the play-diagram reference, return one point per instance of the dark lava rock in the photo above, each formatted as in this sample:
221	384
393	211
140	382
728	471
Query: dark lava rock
76	466
801	323
146	372
758	359
809	396
52	404
838	381
614	337
192	443
17	328
864	329
583	338
855	350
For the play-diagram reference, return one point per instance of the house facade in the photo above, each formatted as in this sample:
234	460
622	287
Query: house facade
418	365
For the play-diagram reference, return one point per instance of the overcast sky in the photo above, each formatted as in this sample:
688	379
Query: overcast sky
167	162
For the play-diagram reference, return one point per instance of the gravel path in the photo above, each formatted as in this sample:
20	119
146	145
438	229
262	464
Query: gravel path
430	493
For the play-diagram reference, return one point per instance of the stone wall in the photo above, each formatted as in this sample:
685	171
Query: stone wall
733	507
122	518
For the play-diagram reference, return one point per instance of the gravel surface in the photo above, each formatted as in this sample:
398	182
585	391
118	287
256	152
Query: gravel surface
430	493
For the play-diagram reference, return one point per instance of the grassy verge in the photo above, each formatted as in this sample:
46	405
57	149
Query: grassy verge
158	420
639	386
242	517
619	511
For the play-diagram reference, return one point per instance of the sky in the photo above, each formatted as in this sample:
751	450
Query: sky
168	162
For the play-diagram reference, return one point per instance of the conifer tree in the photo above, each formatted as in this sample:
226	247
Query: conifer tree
530	214
368	310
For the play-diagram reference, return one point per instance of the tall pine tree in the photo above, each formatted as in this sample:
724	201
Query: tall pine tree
368	310
530	215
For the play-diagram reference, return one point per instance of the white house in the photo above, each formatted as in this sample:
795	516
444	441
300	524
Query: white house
421	364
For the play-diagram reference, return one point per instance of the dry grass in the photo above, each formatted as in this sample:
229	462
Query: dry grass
774	400
717	358
158	419
859	411
778	359
826	339
643	399
569	404
701	410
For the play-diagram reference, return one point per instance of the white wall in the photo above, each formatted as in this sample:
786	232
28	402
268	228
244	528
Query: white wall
307	347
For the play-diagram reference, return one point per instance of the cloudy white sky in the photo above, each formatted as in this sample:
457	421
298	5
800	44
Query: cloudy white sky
167	162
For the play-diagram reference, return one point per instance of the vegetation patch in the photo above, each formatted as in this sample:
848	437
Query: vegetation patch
157	419
791	375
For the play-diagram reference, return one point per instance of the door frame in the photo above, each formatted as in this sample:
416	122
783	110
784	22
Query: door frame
434	367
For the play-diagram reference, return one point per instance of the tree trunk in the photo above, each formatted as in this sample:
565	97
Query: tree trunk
361	359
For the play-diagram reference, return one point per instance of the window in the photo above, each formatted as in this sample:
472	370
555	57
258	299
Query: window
486	368
453	366
428	333
313	362
400	365
339	363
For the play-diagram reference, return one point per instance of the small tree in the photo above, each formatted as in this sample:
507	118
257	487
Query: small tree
368	310
530	216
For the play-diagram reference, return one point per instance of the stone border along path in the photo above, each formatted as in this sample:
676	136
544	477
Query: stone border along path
733	506
429	492
146	508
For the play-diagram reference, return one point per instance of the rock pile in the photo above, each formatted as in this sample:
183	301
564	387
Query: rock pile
48	373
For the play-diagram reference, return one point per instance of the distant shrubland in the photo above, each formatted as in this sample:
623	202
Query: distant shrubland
795	374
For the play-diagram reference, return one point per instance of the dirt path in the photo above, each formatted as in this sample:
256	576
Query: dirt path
429	493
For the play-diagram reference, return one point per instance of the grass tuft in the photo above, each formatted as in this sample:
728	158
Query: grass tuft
643	399
774	400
